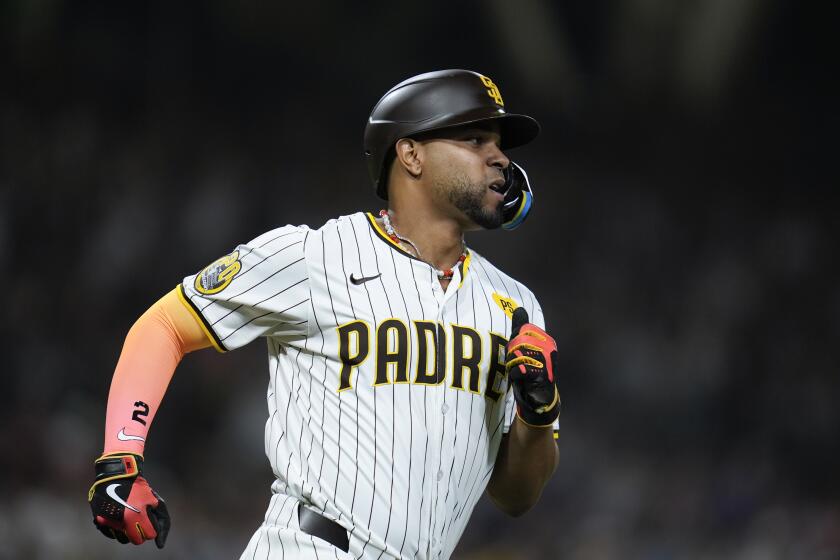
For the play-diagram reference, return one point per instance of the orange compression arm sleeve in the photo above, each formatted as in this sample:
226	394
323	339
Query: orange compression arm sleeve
153	348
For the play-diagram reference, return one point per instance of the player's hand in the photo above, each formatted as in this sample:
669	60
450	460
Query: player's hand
531	365
123	504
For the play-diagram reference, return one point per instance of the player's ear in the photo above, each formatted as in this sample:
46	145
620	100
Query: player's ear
409	156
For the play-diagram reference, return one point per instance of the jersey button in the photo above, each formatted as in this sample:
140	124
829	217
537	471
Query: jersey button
444	409
440	476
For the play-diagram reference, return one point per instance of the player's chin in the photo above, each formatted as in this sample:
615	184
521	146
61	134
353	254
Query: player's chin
487	216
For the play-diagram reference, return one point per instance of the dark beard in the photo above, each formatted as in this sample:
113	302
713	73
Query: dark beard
469	200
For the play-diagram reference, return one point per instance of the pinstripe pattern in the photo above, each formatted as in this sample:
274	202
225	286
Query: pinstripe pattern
401	465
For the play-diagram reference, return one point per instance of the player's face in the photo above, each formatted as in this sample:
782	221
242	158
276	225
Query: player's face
464	167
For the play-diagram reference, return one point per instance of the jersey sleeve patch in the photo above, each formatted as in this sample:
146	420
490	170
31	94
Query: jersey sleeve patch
218	275
258	289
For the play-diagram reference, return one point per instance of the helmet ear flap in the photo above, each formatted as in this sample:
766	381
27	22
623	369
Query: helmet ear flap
519	198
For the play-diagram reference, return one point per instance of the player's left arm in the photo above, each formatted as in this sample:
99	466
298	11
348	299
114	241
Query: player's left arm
528	455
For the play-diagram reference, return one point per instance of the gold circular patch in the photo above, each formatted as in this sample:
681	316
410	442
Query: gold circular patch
218	275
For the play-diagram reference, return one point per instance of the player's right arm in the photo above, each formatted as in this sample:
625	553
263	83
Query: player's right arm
123	504
260	289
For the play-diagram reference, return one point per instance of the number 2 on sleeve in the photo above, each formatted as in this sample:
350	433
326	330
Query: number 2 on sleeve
141	410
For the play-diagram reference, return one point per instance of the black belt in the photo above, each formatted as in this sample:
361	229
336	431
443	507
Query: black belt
325	529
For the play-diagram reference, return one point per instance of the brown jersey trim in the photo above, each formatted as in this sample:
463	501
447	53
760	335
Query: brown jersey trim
384	236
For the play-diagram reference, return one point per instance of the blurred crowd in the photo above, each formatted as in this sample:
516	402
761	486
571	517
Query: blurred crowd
683	242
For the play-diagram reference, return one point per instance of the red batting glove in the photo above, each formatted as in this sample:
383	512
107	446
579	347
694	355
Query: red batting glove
124	506
531	365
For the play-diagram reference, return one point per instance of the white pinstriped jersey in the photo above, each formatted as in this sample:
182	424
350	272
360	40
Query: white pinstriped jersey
387	397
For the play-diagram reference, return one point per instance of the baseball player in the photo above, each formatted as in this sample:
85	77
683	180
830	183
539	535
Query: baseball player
407	373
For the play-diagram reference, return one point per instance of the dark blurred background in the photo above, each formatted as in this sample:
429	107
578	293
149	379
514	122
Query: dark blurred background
684	238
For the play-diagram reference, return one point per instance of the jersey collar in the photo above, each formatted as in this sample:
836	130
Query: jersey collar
384	237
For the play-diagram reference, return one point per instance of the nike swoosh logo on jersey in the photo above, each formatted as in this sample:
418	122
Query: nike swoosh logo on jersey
112	493
363	279
122	436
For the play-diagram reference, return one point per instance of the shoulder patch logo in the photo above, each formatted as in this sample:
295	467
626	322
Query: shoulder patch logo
506	303
218	275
